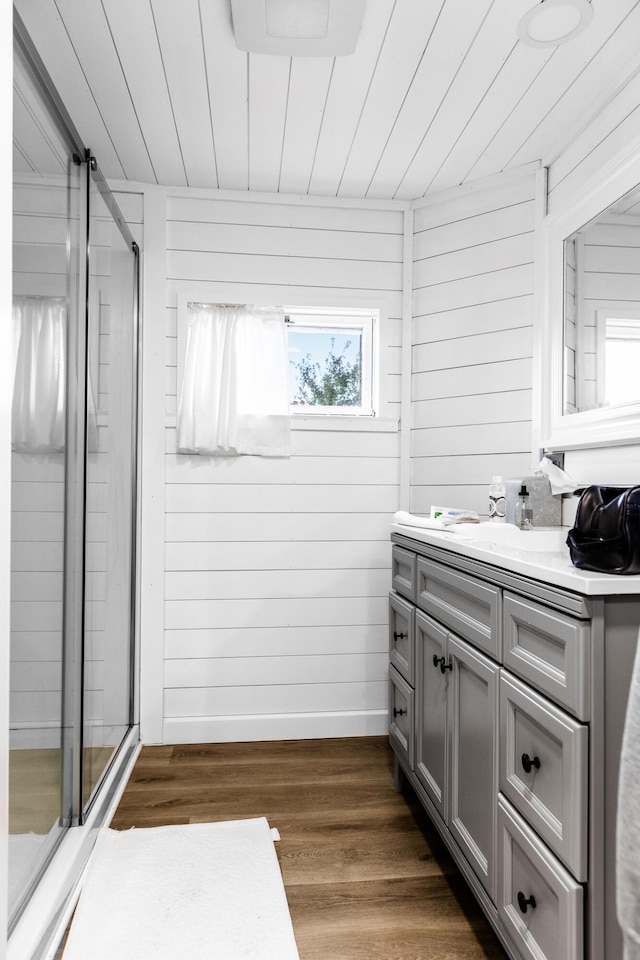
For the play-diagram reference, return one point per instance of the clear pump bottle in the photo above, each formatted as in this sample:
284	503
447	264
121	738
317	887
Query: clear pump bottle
524	510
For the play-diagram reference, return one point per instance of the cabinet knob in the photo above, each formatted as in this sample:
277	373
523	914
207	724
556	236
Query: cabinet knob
398	713
528	763
442	663
399	636
523	902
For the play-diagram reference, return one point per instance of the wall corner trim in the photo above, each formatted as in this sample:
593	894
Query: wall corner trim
152	462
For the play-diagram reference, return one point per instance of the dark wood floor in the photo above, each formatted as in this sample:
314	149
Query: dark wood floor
366	875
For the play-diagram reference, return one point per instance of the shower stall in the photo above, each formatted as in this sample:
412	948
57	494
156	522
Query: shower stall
73	485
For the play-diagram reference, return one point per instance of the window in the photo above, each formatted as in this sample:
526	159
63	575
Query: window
617	356
331	361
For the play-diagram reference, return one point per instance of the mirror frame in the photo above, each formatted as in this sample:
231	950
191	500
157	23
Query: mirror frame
604	426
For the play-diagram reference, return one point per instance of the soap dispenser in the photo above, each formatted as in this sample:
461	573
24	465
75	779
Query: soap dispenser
524	510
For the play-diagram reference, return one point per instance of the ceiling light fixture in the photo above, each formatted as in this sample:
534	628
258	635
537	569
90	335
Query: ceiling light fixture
552	22
297	28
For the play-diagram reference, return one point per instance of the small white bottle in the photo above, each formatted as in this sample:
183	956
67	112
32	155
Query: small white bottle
524	510
497	500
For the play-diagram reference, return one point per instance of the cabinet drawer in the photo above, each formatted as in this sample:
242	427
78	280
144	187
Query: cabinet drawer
470	607
401	636
401	723
539	902
543	770
403	572
549	649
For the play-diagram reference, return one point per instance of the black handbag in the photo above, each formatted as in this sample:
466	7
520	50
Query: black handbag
606	533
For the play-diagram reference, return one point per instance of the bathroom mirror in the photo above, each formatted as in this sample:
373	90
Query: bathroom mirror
589	392
602	309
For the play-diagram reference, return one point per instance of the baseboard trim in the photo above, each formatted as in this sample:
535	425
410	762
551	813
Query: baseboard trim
299	726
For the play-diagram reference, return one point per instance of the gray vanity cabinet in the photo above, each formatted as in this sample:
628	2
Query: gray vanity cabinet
507	700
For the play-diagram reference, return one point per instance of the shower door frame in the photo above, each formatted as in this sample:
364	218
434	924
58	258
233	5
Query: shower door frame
80	808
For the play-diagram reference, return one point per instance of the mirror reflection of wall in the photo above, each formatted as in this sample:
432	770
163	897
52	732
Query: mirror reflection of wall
602	309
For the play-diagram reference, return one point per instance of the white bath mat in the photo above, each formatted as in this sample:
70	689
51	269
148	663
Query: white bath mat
203	890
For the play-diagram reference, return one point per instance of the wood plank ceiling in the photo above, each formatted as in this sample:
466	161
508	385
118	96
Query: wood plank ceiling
438	93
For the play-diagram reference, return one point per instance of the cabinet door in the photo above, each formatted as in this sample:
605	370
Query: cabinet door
473	712
431	708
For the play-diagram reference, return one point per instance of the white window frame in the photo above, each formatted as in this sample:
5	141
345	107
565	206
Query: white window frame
327	319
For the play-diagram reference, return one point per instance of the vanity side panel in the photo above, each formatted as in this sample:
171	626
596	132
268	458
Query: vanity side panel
622	627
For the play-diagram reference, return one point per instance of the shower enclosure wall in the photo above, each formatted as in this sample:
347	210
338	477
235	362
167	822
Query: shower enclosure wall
73	480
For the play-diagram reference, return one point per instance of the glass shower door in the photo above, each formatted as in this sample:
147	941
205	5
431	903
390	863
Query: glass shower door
73	456
48	277
110	487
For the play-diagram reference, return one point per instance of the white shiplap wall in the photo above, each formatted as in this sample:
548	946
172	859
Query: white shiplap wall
473	283
277	570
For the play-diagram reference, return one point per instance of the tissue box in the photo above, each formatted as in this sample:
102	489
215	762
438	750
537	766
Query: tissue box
547	509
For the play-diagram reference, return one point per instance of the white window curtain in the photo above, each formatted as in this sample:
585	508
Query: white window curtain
38	411
234	398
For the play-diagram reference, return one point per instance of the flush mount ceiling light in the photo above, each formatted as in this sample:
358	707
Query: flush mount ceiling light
552	22
297	28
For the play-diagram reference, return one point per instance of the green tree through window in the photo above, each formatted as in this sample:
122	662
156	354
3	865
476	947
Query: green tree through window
334	382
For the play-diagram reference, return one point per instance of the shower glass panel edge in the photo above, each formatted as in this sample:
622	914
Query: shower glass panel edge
110	517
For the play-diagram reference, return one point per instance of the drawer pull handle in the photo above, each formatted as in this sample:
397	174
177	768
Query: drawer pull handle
398	713
399	636
441	662
523	903
528	763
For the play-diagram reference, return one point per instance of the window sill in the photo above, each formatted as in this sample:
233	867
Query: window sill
352	424
344	424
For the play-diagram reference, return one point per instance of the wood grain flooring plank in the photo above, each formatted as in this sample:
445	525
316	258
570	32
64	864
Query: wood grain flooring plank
196	803
421	919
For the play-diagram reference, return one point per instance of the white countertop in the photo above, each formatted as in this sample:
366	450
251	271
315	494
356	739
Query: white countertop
552	566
